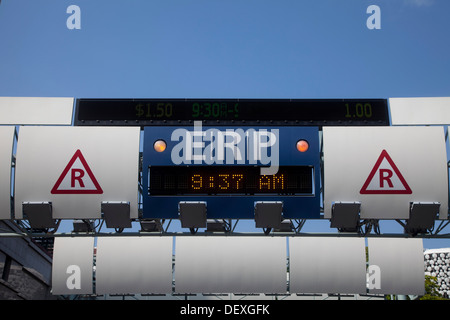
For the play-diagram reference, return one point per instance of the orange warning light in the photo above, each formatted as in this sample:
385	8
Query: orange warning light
159	145
302	145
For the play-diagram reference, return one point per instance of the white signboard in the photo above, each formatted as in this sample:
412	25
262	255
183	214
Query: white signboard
420	111
36	110
396	266
385	168
72	269
327	265
134	265
76	168
6	147
230	265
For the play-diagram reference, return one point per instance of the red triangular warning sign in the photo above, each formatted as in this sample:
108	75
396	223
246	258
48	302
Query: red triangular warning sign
385	178
77	178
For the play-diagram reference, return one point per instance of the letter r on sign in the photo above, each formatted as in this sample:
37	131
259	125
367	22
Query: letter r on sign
77	174
386	175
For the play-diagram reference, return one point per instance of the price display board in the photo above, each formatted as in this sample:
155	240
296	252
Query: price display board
268	112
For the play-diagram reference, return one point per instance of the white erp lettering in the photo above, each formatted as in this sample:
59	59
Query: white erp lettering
74	280
264	146
229	140
231	146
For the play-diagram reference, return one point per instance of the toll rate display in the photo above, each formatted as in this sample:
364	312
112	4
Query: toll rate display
269	112
216	180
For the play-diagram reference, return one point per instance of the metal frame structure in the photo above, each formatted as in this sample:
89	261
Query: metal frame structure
369	228
365	228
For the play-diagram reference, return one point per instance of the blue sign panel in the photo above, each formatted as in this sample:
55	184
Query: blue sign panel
230	169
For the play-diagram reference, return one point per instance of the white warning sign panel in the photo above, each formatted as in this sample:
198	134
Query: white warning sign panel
77	178
385	169
77	168
385	178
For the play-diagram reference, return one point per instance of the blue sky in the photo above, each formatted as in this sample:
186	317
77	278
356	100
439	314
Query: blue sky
225	49
217	48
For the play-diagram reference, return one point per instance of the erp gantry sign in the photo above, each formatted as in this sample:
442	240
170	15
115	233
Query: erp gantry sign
230	168
230	154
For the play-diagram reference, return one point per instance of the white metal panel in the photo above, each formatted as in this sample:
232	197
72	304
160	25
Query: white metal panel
134	265
72	269
36	110
327	265
400	265
45	153
6	148
420	111
351	154
230	265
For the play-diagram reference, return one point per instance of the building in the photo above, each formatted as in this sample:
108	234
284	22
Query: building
437	264
25	267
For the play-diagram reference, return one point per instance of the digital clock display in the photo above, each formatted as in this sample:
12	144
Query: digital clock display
216	180
144	112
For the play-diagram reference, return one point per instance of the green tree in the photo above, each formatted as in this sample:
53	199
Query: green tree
431	289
